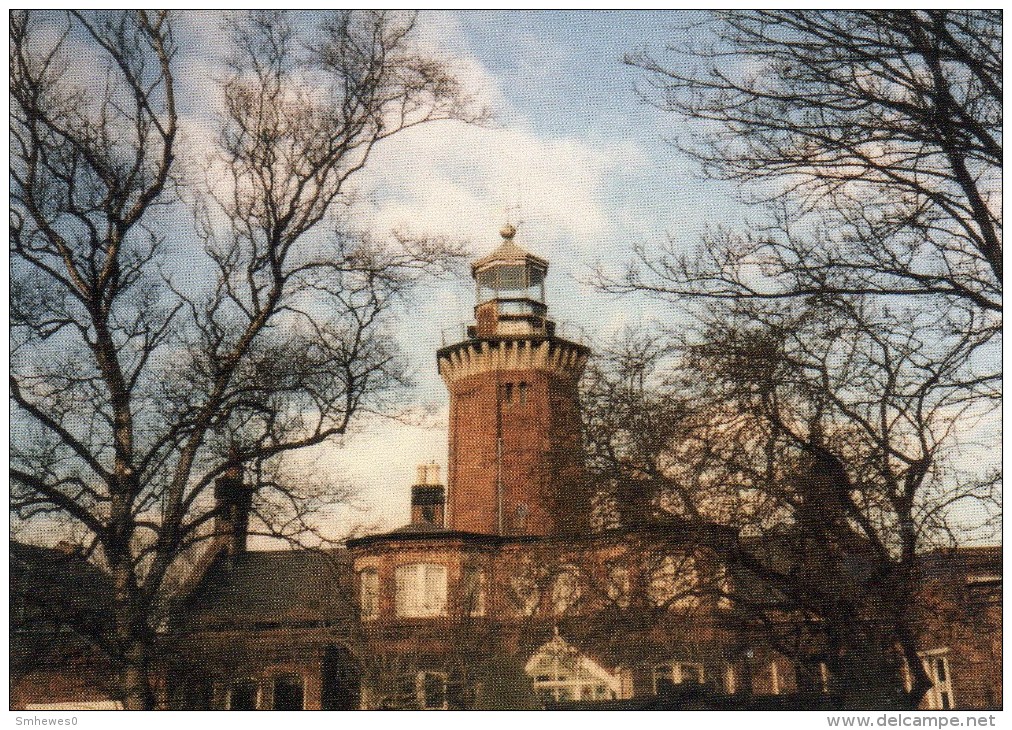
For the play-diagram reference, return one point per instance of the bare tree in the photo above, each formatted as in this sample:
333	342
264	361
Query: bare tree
818	450
137	385
848	341
884	125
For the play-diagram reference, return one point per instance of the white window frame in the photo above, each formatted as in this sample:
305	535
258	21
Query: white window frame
475	593
413	595
933	697
526	592
420	689
619	586
673	671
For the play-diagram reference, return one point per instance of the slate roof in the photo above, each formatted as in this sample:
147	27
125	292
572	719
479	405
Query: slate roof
51	585
271	589
60	604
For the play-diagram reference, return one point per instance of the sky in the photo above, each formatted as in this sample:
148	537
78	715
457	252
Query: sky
572	155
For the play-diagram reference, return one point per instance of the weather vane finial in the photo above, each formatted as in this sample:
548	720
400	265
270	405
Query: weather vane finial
509	230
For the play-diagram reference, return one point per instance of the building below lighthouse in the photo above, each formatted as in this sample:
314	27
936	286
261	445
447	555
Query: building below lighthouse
503	593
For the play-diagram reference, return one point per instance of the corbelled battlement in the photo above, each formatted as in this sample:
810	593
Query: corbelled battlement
551	354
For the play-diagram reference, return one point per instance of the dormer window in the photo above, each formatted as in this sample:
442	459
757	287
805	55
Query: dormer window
420	590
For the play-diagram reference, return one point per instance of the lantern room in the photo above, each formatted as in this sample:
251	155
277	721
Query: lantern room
510	292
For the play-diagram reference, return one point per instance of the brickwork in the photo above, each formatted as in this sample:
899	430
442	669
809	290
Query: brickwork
514	442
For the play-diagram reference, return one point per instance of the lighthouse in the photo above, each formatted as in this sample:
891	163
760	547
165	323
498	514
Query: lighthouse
515	456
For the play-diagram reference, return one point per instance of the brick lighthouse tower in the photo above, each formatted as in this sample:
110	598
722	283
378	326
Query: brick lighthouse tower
516	463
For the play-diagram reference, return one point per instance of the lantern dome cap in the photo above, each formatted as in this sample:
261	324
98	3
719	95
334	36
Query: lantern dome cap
508	252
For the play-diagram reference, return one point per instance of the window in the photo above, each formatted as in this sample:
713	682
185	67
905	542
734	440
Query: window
526	591
288	692
197	694
730	680
774	678
507	393
667	676
561	674
522	389
431	689
369	593
421	590
618	585
473	594
936	664
604	512
520	518
674	582
812	675
243	695
566	590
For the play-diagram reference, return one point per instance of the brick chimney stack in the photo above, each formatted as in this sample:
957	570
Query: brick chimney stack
428	497
233	501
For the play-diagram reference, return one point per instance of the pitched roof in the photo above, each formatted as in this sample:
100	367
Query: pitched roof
60	606
57	586
266	589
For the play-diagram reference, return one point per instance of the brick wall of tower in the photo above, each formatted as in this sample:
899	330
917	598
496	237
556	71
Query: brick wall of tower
537	414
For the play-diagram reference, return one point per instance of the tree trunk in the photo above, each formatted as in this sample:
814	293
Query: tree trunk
135	679
133	640
869	679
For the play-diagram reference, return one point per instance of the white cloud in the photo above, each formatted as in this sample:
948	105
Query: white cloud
457	180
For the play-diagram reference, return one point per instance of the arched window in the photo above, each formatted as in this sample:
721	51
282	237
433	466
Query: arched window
242	695
525	587
420	590
288	693
369	593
